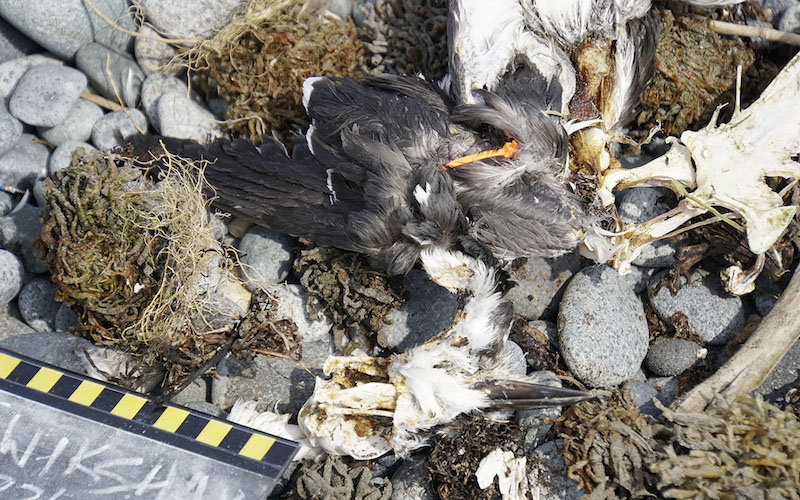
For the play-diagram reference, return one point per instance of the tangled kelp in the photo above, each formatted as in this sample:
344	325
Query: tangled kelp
334	480
747	449
356	297
258	61
136	258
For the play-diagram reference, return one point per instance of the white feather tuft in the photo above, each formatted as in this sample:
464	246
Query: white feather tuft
308	88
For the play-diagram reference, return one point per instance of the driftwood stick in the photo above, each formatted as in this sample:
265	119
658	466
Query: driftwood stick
770	34
754	361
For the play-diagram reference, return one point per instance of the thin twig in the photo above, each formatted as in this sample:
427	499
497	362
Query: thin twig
100	100
770	34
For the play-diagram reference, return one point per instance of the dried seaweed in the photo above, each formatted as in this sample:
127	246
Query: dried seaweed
356	297
455	457
406	37
262	332
694	67
334	480
258	62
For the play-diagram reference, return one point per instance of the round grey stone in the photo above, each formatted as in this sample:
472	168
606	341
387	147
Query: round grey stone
643	394
24	163
10	131
638	277
155	86
636	205
790	19
111	73
66	319
112	129
17	231
667	388
540	283
10	326
38	305
13	43
193	19
657	254
602	329
11	276
427	310
62	156
183	118
548	473
341	8
152	54
670	356
64	26
76	127
45	94
38	194
11	71
766	295
6	203
712	313
272	379
266	258
57	348
410	481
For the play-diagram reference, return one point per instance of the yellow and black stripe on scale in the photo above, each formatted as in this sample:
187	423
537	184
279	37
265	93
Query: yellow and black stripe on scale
173	425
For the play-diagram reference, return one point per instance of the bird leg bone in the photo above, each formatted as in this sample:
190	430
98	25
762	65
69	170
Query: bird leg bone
725	166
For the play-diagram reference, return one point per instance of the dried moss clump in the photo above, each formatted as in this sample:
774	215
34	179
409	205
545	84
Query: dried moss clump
136	259
258	62
406	37
334	480
693	68
263	332
357	297
455	458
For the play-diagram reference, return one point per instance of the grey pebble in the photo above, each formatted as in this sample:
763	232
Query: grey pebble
341	8
155	86
13	43
45	94
790	19
602	329
111	73
66	319
207	408
24	163
76	127
195	392
410	481
12	274
38	194
782	378
640	204
187	18
667	388
153	55
112	129
6	203
272	379
670	356
10	326
38	304
56	348
64	26
766	295
638	277
183	118
266	257
427	310
539	284
11	71
532	421
62	156
548	473
712	313
17	231
643	394
10	131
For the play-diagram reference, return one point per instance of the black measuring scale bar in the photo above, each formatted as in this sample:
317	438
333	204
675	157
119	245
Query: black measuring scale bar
67	436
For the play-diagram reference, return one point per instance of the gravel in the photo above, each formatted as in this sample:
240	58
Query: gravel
11	276
540	283
111	73
112	129
64	26
24	163
76	127
427	310
670	356
45	94
602	329
38	305
266	258
712	314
